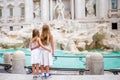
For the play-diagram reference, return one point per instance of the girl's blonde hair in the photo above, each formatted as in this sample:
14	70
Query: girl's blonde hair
35	33
45	35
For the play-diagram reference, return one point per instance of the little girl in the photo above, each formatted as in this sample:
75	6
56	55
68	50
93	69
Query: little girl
35	43
47	40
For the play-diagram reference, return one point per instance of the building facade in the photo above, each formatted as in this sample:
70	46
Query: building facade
16	14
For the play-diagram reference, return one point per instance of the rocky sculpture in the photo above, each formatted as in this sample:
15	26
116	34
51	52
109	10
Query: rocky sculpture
79	36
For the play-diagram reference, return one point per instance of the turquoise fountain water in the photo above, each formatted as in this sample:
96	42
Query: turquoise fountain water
66	60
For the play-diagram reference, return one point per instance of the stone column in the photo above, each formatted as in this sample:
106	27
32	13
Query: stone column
18	62
72	8
96	64
79	9
88	64
7	58
97	8
51	9
119	9
103	8
44	10
29	11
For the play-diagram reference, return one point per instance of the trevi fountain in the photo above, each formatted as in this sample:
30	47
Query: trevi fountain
76	25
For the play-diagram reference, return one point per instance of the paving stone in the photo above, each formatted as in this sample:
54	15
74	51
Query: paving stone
4	76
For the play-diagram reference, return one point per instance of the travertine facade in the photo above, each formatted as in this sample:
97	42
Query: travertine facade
16	14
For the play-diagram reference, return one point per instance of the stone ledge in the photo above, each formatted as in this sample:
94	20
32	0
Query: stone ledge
60	77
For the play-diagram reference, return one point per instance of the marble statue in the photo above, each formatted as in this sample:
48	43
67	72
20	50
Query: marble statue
37	11
90	7
59	10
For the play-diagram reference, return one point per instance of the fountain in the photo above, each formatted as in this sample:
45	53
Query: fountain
69	35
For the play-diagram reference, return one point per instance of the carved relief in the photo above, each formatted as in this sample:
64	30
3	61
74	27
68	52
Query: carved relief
67	14
90	8
11	19
114	13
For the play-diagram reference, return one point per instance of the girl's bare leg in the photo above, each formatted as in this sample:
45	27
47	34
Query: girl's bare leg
37	69
42	68
33	69
47	69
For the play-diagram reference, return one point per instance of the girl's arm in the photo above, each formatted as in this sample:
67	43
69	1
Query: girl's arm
32	48
52	44
35	47
40	43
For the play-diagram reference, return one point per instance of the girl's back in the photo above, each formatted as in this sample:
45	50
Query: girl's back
34	42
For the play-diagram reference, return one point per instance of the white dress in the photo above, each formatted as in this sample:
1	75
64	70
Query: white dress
46	57
35	58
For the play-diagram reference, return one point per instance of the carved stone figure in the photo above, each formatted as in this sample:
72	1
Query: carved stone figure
37	11
59	10
90	7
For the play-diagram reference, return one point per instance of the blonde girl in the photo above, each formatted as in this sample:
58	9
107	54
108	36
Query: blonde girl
47	41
